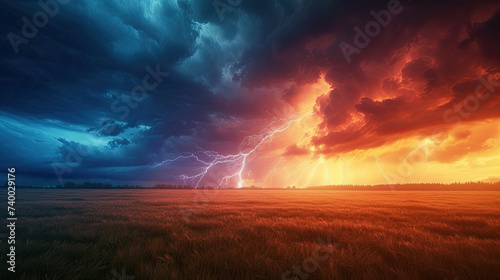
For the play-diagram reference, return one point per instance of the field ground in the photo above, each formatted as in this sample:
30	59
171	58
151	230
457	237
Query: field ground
255	234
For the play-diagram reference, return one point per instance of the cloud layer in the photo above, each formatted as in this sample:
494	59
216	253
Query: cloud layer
72	106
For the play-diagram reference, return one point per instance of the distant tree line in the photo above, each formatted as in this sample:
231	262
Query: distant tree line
407	186
169	186
469	185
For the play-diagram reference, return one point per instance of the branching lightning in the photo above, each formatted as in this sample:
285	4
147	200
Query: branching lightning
343	161
274	171
381	171
327	173
423	146
239	159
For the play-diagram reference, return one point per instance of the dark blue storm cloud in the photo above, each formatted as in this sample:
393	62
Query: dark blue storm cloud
103	89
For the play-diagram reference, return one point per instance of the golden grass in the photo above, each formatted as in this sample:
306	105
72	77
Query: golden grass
256	234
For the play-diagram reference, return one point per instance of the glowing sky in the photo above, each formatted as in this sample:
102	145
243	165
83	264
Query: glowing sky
264	95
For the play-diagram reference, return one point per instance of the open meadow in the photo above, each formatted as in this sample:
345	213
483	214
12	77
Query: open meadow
255	234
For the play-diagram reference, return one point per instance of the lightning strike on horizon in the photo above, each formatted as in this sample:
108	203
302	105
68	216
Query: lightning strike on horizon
381	171
342	160
240	157
303	169
425	144
274	171
327	173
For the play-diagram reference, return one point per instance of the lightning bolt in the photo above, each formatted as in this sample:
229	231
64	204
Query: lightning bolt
327	173
342	160
306	163
239	158
178	158
274	171
381	171
425	144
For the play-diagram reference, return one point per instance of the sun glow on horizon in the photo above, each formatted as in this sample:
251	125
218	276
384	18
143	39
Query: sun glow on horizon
282	154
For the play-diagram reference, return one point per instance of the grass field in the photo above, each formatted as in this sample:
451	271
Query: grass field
255	234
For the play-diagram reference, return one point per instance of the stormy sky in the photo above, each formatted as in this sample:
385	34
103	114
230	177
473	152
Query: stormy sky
114	91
